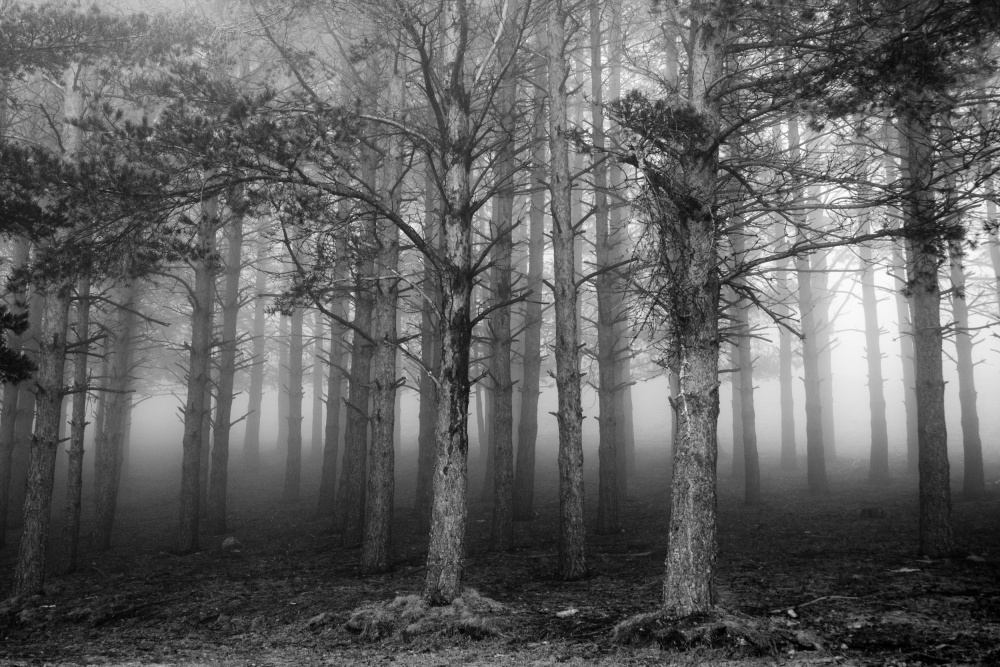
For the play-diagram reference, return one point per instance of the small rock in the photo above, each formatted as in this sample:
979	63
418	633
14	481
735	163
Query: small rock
231	543
566	613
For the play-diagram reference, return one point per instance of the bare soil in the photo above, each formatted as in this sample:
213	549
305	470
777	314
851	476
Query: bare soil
828	579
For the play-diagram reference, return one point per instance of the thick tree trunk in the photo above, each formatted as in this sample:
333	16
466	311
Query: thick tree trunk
974	482
334	394
527	427
78	425
251	437
923	235
29	575
748	414
199	369
110	442
569	414
429	356
219	475
878	468
293	450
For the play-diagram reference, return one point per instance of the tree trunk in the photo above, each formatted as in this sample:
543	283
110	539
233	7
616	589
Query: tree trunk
527	427
78	425
748	414
29	575
789	455
429	360
110	442
334	394
283	386
199	369
824	346
974	482
293	450
316	432
923	235
569	415
251	437
219	476
815	458
739	460
878	468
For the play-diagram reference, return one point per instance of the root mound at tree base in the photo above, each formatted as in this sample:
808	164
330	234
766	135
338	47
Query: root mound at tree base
410	615
716	629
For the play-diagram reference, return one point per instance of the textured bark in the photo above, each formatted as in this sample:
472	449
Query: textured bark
569	414
376	547
255	399
527	428
9	413
878	467
219	476
78	425
789	456
334	394
815	458
29	575
974	482
293	450
198	376
110	442
923	237
608	491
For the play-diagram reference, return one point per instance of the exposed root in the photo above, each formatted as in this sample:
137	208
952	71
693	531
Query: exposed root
407	616
716	629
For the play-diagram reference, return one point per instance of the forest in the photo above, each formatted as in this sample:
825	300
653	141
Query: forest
499	332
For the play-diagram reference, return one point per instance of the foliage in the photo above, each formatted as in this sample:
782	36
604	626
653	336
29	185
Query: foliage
15	366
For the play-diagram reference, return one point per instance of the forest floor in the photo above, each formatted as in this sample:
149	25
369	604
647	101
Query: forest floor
821	581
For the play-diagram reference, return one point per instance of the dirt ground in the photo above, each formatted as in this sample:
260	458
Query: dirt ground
839	586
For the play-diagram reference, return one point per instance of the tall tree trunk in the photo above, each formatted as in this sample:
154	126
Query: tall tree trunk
9	413
29	575
199	369
974	482
609	488
283	385
334	394
923	235
527	428
739	458
219	476
376	546
824	345
815	458
293	450
569	415
502	527
251	437
110	442
429	362
789	457
748	413
78	425
316	432
878	468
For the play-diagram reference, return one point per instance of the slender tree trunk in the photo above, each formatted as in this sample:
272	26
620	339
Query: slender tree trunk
824	346
608	493
789	457
334	394
251	437
110	444
429	358
219	475
29	575
283	386
527	428
815	458
739	458
199	369
748	414
923	235
316	432
974	482
569	415
878	469
78	425
293	450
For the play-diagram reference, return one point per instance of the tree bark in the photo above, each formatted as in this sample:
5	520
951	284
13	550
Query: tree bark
293	450
283	385
219	475
789	455
78	425
199	368
569	415
429	361
110	442
316	432
255	400
924	236
334	394
748	414
739	459
878	468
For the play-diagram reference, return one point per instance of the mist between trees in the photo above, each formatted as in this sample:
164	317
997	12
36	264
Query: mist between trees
414	221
